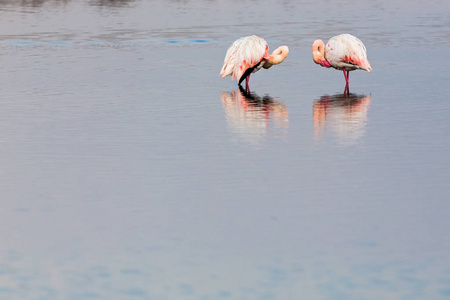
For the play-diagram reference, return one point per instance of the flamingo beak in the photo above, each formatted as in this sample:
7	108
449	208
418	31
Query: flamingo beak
325	64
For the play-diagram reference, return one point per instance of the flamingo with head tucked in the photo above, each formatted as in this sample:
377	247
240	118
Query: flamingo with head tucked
248	55
342	52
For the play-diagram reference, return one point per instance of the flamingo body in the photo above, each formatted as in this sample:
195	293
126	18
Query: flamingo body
343	52
347	52
248	55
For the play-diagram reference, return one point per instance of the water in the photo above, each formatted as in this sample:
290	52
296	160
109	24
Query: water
131	170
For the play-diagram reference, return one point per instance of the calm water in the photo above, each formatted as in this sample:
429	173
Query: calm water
131	170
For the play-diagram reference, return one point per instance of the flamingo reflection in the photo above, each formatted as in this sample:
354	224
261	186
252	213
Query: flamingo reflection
251	117
343	115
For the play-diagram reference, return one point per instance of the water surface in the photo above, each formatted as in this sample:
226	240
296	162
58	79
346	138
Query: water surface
131	170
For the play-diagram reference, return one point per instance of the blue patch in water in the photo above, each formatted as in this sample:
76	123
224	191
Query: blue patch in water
200	41
135	292
224	294
86	295
58	43
173	42
186	288
5	290
22	43
268	296
445	292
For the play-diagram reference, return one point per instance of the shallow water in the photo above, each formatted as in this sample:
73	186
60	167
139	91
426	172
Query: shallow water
131	170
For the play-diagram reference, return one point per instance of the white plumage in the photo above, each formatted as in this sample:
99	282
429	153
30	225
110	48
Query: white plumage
248	55
347	52
244	53
343	52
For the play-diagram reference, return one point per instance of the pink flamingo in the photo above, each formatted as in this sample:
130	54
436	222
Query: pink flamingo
248	55
342	52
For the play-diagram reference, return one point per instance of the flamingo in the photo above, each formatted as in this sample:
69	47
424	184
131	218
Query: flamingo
248	55
343	52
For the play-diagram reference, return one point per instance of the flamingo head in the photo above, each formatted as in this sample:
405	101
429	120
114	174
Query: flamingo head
318	53
277	56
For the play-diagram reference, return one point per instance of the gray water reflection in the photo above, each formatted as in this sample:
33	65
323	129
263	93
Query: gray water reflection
119	178
111	3
343	116
39	3
252	118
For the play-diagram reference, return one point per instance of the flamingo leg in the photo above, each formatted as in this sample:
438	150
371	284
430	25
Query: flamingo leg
348	82
346	90
346	76
247	88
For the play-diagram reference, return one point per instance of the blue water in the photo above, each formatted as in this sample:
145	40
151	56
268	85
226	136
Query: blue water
131	170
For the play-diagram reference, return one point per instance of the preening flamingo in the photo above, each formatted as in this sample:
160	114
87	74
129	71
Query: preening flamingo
342	52
248	55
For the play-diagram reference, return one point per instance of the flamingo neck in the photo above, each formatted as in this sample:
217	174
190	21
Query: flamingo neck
318	53
277	57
